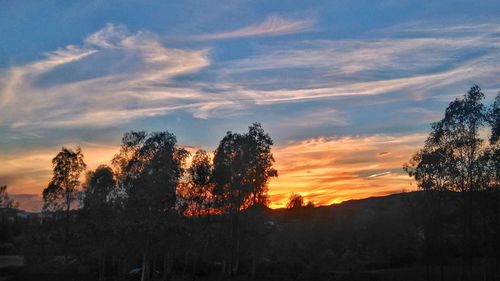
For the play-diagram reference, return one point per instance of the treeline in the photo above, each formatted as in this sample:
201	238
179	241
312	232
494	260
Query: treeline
158	213
150	206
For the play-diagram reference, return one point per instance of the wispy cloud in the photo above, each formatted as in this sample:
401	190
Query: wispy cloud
379	175
420	63
115	76
271	26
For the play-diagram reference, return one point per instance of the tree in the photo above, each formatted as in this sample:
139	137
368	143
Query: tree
62	190
150	167
453	159
199	187
97	205
295	201
492	157
98	187
243	165
494	119
261	163
5	200
196	203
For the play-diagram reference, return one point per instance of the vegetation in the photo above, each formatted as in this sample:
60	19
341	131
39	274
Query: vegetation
151	216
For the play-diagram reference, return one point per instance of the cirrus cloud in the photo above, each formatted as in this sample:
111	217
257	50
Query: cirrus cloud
114	76
272	25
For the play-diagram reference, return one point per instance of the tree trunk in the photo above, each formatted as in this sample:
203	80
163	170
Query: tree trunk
193	273
167	266
254	266
102	266
66	233
145	276
237	253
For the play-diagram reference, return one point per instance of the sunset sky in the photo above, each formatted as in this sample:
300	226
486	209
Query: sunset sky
347	89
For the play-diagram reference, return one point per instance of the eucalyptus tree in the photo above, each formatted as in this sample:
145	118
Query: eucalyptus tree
62	192
494	119
150	167
453	159
98	208
493	159
199	186
243	166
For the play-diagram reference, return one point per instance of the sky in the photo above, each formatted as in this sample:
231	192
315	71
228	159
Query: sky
346	89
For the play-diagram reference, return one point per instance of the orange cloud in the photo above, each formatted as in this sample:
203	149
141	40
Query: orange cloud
331	170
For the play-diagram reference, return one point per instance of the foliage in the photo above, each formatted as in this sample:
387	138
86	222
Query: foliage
62	190
295	201
243	165
5	200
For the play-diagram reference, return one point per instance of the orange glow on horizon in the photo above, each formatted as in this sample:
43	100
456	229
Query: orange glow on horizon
323	170
331	170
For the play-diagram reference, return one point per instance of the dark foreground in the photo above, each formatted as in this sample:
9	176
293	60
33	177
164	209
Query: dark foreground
372	239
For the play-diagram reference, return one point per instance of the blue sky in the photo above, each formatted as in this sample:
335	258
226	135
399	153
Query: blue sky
319	75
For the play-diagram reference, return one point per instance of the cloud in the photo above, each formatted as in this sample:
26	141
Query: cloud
114	76
272	25
329	170
379	175
117	76
422	64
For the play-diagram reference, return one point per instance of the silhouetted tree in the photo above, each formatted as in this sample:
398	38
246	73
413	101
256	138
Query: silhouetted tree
62	191
261	163
196	203
493	159
98	206
5	200
494	119
150	167
199	187
243	165
295	201
453	159
98	188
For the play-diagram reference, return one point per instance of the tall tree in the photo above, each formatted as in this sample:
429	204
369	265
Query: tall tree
98	188
494	119
453	159
493	159
150	167
243	165
199	186
98	208
62	191
261	163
